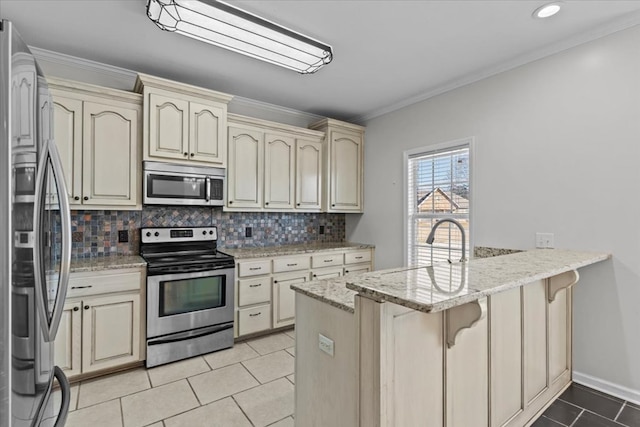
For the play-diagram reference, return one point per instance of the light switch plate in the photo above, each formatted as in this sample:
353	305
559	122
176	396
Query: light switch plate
325	344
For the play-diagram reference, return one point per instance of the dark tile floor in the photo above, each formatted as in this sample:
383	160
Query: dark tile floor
581	406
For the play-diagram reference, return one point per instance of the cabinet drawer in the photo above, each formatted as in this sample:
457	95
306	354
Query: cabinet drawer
326	260
254	319
254	291
102	283
357	269
326	273
357	257
290	264
254	268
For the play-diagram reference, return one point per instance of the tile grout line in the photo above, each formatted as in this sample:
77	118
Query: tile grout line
602	416
620	411
121	411
577	418
194	391
242	410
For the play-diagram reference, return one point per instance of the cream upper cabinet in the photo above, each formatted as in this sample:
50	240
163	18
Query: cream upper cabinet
279	171
245	171
273	167
344	170
309	175
97	132
23	100
109	151
183	123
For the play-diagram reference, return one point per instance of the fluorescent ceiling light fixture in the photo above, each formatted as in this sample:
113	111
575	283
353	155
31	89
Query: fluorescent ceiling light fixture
227	26
547	10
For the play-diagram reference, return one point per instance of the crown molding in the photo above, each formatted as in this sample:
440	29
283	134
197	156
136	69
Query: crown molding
591	35
127	78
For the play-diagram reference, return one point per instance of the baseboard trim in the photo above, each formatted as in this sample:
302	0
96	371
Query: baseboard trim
607	387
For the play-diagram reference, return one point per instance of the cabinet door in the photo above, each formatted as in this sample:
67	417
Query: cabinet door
23	98
67	132
110	331
308	175
346	172
207	133
68	344
284	301
168	127
279	172
110	155
245	168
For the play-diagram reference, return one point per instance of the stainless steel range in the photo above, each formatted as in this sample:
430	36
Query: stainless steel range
189	293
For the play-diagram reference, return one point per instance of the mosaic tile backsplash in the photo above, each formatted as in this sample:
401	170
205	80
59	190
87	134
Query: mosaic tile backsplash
95	233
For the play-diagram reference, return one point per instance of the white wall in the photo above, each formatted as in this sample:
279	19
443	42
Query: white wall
557	150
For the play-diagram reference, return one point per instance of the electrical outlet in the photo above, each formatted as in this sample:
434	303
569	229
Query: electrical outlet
544	240
247	232
321	231
123	236
325	344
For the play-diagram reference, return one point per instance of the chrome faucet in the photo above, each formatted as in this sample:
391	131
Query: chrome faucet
432	235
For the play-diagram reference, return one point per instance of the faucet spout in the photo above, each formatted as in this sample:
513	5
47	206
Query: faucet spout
432	234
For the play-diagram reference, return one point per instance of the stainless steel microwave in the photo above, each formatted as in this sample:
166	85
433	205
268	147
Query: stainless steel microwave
173	184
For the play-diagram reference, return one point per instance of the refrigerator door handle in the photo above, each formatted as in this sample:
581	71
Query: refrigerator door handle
65	389
50	328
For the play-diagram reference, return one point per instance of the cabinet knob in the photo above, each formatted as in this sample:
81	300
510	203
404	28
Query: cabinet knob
297	204
76	198
230	202
315	275
275	281
192	154
86	307
266	203
333	206
86	198
76	308
186	154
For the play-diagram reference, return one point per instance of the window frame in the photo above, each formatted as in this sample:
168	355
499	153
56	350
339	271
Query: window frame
433	149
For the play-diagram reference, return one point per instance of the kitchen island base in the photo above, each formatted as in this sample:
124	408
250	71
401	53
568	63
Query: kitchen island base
497	361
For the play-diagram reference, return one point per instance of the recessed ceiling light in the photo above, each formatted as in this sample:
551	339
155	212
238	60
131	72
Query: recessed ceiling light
547	10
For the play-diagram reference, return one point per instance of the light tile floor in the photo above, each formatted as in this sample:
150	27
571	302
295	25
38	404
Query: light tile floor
249	385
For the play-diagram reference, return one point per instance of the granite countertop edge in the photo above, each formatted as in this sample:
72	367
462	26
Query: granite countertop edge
271	251
106	263
381	295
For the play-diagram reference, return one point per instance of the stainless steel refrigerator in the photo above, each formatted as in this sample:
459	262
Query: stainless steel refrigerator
35	239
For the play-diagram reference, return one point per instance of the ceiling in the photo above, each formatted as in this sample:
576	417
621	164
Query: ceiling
387	54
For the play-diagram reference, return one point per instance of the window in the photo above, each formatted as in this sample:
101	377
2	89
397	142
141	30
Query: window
438	187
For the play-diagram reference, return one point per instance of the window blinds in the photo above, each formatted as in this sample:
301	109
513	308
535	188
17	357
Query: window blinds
438	187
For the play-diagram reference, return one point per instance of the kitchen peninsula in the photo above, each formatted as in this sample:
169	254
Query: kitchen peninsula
485	342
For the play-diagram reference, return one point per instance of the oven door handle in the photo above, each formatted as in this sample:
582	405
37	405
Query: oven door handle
183	336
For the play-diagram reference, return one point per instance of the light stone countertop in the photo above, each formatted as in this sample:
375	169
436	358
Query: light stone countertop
443	286
107	263
271	251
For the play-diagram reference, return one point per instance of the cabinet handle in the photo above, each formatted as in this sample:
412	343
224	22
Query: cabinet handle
76	198
192	154
255	286
255	314
359	257
255	268
86	198
328	260
76	308
292	265
82	287
186	154
86	307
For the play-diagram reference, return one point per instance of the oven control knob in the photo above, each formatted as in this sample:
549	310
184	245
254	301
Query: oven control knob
156	234
204	233
148	234
210	231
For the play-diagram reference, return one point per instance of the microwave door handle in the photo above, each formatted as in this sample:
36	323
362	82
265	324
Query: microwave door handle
208	196
65	256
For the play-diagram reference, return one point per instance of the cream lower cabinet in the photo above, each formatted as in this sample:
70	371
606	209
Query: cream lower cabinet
273	167
101	325
97	132
264	298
